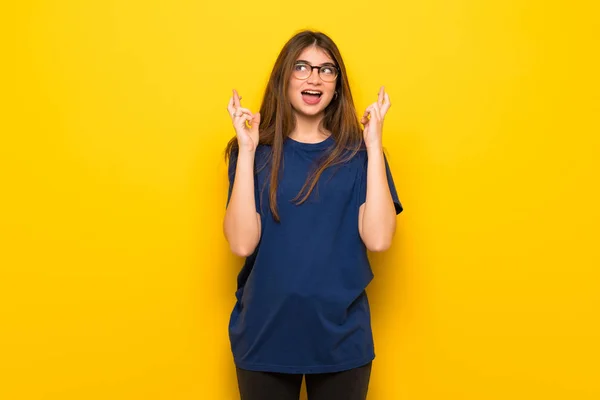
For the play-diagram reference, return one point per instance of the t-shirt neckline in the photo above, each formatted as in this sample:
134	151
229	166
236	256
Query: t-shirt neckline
310	146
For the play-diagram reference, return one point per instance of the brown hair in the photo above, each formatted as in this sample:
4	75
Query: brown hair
277	120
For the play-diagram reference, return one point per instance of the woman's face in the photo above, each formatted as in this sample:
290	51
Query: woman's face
306	104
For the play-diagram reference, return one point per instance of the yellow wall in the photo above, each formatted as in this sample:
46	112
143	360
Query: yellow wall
116	281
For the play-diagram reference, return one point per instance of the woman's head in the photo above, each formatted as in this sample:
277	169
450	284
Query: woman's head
314	71
283	102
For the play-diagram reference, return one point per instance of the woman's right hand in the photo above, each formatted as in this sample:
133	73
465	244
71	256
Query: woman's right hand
247	137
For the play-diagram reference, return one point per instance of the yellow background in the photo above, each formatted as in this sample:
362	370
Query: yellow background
117	283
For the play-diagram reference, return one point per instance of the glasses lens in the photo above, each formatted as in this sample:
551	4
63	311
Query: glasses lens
328	73
302	70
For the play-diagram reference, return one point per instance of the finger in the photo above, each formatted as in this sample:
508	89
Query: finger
255	122
238	112
369	113
244	111
387	102
380	96
386	105
371	110
376	112
236	98
241	120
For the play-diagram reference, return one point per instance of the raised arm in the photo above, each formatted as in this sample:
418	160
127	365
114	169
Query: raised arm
377	216
242	225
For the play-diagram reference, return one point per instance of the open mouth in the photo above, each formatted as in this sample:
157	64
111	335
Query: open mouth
311	97
312	93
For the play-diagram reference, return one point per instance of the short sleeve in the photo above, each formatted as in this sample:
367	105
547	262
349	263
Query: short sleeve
231	169
362	197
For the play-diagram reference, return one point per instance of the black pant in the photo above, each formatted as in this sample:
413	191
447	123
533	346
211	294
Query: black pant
351	384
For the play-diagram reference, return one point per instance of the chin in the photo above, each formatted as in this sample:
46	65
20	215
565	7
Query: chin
308	110
310	113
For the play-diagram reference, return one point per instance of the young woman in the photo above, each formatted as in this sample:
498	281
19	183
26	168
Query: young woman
310	192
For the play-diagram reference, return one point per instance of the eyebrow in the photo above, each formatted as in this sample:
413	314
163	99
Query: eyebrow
327	63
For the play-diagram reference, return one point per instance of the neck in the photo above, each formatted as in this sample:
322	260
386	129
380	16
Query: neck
308	128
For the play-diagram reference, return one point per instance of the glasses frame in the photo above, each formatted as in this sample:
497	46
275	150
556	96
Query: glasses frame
319	67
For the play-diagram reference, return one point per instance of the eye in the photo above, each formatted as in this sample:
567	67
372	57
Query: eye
327	70
300	67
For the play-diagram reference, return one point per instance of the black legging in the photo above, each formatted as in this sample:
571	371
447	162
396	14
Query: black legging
351	384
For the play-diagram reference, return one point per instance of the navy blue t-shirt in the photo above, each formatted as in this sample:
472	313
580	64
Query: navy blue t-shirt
301	301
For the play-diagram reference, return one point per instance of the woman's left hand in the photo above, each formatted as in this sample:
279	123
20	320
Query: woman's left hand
373	120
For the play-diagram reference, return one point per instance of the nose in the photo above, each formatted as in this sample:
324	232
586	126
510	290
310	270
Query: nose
314	76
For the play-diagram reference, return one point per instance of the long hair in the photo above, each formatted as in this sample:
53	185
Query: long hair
277	120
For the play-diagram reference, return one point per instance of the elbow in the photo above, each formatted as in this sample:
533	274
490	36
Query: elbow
242	250
241	243
377	237
241	247
379	246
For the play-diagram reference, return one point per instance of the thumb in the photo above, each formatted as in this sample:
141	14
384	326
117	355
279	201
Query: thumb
255	122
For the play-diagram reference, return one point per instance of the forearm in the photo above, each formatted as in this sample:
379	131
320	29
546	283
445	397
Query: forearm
379	216
241	225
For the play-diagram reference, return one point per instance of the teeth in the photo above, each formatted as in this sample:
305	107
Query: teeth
311	92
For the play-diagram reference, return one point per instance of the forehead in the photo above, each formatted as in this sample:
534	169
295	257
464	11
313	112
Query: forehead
315	55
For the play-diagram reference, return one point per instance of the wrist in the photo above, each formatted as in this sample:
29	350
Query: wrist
247	150
374	147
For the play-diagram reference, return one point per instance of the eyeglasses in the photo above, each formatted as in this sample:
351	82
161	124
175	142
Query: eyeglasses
328	73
